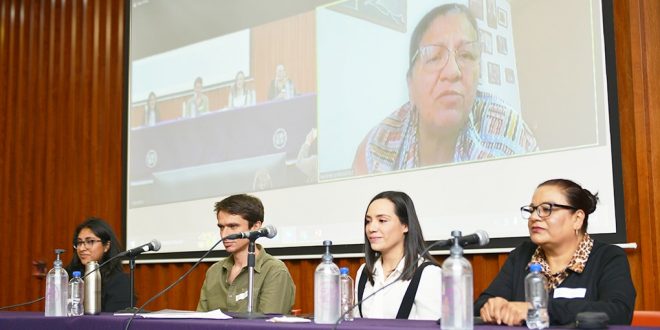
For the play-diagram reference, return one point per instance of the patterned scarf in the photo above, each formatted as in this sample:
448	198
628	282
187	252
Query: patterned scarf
577	263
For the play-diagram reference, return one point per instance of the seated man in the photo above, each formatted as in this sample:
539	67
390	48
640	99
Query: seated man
226	283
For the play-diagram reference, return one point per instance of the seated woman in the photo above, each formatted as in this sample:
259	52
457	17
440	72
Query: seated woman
94	240
583	274
239	94
393	246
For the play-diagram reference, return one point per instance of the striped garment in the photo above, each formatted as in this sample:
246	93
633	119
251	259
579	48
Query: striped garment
493	130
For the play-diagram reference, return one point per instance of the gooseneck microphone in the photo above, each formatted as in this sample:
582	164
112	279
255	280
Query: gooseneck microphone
480	237
266	231
154	245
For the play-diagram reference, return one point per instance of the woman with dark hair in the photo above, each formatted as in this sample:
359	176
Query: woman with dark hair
94	240
240	95
583	275
151	112
393	246
447	119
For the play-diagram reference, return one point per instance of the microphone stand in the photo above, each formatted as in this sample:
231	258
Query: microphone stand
131	274
251	260
250	263
131	266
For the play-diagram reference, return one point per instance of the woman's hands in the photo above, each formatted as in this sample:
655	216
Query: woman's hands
501	311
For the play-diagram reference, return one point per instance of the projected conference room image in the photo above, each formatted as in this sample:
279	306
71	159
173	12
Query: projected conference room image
224	115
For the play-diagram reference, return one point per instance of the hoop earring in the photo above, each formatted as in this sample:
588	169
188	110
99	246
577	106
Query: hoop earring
577	233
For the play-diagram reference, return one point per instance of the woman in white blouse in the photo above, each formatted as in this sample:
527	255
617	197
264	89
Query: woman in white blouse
393	252
239	94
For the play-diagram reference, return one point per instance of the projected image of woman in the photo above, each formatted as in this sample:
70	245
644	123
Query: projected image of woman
239	94
447	119
151	112
584	275
393	244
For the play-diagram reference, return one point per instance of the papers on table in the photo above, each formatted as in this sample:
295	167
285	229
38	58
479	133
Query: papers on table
178	314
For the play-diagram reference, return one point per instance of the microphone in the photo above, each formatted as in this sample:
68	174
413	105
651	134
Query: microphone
154	245
267	231
480	238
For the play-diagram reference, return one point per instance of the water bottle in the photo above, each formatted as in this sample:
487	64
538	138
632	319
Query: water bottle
76	295
57	282
347	294
92	288
457	289
326	289
536	296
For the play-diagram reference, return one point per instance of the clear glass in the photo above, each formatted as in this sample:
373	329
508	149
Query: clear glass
326	293
347	294
536	296
76	296
457	287
435	57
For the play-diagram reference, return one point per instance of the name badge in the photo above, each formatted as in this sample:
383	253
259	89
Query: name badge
569	293
241	296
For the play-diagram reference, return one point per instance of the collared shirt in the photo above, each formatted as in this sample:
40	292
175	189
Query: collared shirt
577	263
492	130
385	304
273	291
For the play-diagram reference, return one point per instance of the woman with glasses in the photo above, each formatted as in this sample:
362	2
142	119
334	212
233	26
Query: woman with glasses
583	275
94	240
446	119
411	282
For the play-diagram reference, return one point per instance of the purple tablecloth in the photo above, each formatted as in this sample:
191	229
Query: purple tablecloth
36	320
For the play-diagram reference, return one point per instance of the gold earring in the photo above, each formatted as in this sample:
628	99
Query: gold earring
577	233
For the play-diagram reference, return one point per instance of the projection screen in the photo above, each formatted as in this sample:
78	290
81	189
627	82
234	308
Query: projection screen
304	104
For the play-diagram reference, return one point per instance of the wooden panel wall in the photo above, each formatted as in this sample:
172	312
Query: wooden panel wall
61	112
60	130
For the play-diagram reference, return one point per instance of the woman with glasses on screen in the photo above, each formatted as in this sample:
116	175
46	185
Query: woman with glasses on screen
94	240
446	119
411	283
583	275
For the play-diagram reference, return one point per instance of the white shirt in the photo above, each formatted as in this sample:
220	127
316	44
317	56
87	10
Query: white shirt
385	304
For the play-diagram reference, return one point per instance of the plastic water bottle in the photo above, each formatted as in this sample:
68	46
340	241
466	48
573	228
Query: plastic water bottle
536	296
92	288
347	294
76	295
326	289
57	282
457	289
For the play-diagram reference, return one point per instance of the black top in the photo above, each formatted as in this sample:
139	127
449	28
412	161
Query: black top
115	291
606	278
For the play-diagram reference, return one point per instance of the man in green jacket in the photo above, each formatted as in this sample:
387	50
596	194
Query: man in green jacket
226	283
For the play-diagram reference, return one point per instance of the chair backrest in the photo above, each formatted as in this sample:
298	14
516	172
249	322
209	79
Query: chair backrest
646	318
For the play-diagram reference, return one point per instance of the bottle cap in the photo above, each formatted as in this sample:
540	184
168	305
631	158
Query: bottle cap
535	267
343	270
76	273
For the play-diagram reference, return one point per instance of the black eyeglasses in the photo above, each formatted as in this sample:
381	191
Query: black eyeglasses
89	243
543	210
